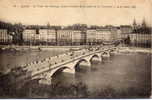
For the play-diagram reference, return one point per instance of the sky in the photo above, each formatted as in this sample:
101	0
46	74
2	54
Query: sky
68	12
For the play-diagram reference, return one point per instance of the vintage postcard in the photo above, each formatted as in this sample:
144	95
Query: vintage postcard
75	49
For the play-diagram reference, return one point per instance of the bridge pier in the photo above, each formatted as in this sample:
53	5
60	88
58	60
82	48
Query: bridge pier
114	51
96	58
100	57
106	54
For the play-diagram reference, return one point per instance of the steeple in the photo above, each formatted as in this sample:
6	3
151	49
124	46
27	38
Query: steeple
134	24
143	23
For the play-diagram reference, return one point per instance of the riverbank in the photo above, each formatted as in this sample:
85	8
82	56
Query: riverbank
134	50
39	48
16	46
121	49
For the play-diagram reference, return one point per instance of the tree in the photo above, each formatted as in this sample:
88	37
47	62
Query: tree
18	36
94	27
79	26
127	40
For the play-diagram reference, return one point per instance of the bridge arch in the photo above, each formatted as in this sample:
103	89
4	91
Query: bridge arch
58	70
95	55
80	63
98	56
60	78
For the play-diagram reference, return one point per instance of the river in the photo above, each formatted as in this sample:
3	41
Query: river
120	76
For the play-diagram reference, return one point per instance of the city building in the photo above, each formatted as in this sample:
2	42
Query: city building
5	38
137	38
29	36
47	36
64	37
117	34
104	35
91	36
76	37
125	30
83	37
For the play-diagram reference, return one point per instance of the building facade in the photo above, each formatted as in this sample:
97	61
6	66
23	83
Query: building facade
76	37
91	36
83	37
125	30
118	34
29	36
136	38
105	35
40	36
64	37
5	38
47	36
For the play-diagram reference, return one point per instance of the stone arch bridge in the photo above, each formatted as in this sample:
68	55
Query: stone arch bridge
68	62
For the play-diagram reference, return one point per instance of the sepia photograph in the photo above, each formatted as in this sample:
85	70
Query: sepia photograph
75	49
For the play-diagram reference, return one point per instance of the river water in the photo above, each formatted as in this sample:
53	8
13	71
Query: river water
120	76
123	72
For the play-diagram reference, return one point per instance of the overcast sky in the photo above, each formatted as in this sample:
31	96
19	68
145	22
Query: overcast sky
103	15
